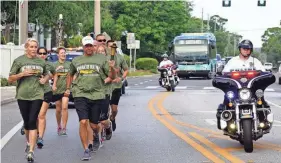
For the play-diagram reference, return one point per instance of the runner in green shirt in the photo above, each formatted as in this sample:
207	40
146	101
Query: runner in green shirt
42	53
121	69
93	71
30	73
59	87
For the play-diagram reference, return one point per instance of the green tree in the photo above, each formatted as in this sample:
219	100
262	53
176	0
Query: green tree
272	44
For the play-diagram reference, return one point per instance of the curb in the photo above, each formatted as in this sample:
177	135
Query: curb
7	101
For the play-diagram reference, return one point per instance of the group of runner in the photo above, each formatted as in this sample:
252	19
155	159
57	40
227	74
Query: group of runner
94	80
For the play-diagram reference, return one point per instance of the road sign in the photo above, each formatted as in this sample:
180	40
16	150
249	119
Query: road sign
130	38
135	45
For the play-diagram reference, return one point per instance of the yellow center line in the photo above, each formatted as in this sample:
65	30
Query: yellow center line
183	136
216	148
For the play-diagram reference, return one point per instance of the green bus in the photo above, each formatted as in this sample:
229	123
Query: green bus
192	53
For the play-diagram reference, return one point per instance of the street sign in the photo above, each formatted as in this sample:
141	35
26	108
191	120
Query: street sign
130	38
135	45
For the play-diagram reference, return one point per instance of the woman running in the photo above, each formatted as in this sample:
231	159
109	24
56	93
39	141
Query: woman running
42	53
59	87
30	73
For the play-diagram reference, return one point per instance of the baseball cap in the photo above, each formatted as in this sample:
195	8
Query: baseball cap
87	40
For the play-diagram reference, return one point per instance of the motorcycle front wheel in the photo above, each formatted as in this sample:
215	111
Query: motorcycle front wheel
247	135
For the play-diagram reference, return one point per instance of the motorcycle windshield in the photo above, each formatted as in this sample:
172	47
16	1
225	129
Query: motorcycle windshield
225	84
262	81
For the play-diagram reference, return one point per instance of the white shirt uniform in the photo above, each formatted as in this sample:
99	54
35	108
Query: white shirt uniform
164	63
236	63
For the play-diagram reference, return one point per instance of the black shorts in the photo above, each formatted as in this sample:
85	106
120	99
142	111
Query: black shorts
88	109
57	97
29	111
115	97
105	108
48	96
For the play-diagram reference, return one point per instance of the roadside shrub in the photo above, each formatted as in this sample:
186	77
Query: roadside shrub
147	64
4	82
127	59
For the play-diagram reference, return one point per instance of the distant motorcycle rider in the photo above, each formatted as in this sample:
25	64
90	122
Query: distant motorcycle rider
162	65
243	61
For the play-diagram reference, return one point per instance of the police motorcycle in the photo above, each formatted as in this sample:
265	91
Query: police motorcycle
244	116
168	79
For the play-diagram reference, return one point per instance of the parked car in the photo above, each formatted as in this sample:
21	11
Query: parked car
69	57
279	75
268	66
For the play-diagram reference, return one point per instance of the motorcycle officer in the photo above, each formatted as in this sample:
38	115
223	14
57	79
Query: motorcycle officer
243	61
164	63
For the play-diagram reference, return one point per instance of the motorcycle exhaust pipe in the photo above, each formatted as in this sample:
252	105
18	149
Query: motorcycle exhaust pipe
226	115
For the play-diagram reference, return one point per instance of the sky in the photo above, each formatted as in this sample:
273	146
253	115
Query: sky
245	17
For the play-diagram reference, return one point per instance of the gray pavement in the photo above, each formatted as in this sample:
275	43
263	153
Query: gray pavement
178	128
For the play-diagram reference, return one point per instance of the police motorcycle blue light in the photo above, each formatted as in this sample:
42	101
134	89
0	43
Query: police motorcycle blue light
230	94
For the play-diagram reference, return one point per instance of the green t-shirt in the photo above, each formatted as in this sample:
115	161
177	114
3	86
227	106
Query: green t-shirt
62	75
121	64
50	70
29	87
91	72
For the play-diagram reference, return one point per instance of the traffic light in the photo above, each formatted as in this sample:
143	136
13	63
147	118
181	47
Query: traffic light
226	3
261	2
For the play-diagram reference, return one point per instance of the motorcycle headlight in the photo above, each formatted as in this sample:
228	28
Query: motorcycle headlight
244	94
169	72
259	93
230	94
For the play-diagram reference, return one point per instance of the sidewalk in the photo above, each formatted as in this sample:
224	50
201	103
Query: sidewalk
7	95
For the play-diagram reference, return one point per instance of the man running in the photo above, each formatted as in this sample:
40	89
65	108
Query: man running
93	72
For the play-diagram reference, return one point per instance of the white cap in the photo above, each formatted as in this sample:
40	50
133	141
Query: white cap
87	40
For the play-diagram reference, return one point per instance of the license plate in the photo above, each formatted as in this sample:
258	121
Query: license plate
246	111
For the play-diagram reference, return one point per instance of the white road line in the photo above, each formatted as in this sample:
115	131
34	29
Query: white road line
10	134
136	84
206	111
181	87
271	103
211	121
269	90
209	88
150	80
152	87
141	83
145	81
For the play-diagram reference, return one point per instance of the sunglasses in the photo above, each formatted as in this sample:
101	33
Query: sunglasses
42	53
102	40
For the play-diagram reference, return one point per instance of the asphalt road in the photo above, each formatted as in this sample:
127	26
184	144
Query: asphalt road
152	126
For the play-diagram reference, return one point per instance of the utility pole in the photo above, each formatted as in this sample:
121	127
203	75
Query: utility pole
202	25
234	45
23	21
97	20
208	23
